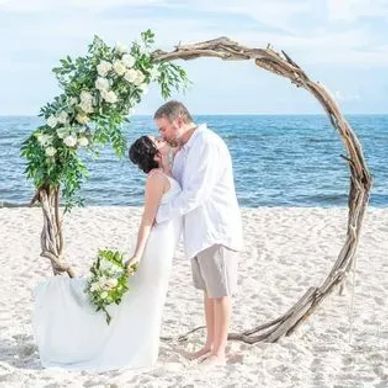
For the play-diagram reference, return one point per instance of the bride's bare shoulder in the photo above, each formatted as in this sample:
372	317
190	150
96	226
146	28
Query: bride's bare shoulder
155	172
157	177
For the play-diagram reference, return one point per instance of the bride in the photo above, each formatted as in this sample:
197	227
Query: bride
69	332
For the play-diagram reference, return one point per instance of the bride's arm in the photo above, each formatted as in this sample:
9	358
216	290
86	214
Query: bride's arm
155	187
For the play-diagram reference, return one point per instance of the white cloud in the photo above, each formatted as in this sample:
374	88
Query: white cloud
353	10
34	34
353	47
346	97
278	14
29	6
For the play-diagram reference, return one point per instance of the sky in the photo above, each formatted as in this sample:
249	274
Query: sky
341	43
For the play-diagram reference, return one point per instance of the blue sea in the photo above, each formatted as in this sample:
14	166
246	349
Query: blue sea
278	160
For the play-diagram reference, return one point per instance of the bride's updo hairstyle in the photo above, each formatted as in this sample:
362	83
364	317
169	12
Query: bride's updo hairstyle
142	153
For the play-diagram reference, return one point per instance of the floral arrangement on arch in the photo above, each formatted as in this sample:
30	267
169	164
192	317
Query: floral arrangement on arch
100	91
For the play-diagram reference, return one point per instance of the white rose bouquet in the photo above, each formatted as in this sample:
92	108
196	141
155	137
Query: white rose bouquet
108	280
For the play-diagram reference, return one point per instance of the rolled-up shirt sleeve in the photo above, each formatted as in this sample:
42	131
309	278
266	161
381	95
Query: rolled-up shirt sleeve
202	173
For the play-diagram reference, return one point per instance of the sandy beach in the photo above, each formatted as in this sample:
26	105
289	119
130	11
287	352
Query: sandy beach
286	251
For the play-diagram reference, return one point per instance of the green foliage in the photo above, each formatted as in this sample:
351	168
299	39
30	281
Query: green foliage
100	90
172	77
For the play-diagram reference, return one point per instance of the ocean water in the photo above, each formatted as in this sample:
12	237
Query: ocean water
278	161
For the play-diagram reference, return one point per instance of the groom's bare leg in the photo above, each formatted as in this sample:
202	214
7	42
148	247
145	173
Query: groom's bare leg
210	322
222	313
209	315
215	270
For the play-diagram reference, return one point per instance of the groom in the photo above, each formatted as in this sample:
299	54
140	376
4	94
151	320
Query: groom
212	221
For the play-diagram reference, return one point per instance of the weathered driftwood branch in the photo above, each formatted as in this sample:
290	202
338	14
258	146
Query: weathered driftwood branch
360	179
51	238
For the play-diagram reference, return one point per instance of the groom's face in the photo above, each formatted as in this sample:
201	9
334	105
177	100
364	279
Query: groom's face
169	130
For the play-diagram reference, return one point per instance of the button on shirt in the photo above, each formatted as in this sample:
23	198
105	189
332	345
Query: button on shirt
208	202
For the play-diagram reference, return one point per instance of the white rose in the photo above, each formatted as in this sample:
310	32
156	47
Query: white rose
86	96
70	141
83	141
103	265
109	97
102	84
130	75
103	68
82	118
104	295
111	283
94	287
86	107
106	265
128	60
121	48
50	151
61	132
119	68
86	102
118	272
63	117
44	139
52	121
140	77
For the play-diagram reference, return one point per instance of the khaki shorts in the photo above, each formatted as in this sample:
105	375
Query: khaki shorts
215	271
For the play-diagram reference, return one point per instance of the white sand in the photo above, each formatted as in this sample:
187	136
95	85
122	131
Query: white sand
287	250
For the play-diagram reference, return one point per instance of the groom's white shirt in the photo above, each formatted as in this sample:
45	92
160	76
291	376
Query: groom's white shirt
208	201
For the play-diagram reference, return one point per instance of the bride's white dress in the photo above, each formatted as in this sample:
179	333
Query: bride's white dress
72	335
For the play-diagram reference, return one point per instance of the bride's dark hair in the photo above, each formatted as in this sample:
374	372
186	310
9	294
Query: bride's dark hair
142	153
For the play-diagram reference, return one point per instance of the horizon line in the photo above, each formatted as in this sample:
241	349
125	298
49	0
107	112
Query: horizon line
231	114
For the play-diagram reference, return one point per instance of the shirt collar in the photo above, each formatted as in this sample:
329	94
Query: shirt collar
190	142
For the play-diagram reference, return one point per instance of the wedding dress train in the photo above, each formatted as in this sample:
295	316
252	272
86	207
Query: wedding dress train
69	332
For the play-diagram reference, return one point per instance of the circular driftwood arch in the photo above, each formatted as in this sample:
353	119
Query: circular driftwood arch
52	243
360	178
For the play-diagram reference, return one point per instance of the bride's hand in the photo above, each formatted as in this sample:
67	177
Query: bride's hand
134	260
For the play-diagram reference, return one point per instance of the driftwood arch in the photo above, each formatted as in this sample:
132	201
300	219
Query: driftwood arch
360	178
52	243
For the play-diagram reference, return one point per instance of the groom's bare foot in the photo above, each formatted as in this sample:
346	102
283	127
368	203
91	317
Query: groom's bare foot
205	351
213	360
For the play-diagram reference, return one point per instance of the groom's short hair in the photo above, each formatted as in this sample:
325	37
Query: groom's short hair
172	110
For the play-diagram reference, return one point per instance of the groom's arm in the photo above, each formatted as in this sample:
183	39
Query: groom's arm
202	171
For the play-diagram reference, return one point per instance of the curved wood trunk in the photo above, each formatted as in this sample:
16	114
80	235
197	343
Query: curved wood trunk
51	238
360	179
